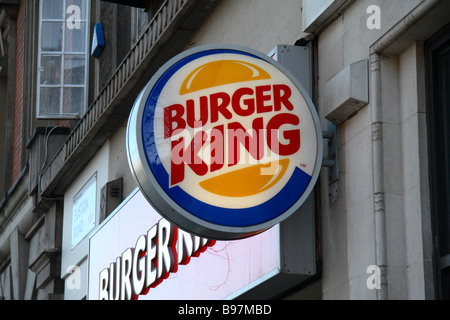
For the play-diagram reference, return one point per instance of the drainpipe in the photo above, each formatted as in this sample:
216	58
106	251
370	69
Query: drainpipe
377	134
378	174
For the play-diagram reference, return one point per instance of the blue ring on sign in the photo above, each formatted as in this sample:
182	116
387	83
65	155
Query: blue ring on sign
243	217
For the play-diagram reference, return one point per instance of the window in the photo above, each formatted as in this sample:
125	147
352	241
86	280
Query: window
438	114
139	20
63	58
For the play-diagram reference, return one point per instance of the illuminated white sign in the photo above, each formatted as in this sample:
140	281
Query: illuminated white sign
145	266
123	251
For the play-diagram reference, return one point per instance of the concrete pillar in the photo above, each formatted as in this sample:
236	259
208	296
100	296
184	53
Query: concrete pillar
19	263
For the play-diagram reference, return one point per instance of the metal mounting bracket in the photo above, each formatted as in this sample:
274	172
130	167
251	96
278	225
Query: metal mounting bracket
331	162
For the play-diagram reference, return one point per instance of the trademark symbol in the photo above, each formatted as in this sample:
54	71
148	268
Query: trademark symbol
302	165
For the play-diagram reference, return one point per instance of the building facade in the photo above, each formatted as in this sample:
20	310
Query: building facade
379	78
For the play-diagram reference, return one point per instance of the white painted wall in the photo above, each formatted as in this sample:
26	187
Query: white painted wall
257	24
348	223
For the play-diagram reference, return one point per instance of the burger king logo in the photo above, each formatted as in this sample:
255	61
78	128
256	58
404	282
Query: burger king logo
224	142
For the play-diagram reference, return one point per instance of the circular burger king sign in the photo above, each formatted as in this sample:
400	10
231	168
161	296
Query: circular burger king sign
224	142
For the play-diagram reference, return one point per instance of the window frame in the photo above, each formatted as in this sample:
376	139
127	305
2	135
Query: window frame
61	114
439	158
137	24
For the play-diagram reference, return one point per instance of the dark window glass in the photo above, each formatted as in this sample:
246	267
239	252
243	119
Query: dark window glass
437	52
